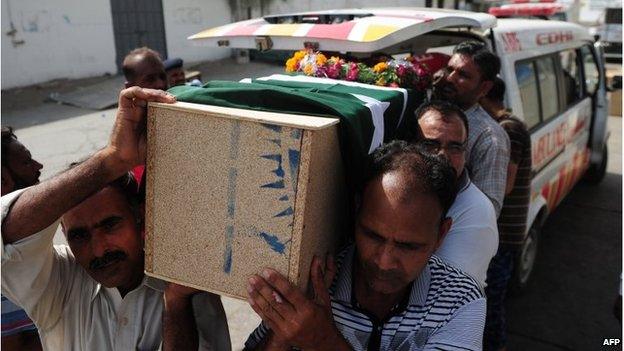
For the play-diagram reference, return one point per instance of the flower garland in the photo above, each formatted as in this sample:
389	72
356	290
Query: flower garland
405	73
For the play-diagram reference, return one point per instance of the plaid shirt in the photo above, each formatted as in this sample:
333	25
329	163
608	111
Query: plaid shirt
487	155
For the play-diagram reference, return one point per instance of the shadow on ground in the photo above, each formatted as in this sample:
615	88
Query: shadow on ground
569	302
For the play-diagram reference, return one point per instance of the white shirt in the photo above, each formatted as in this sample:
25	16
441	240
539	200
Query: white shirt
74	312
472	240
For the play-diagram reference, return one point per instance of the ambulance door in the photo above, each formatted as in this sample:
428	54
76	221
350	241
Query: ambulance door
595	87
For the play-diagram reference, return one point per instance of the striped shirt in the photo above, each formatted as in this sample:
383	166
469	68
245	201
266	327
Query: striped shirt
445	310
487	155
14	319
512	221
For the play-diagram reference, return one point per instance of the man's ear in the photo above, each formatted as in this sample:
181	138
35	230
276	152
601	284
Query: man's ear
445	226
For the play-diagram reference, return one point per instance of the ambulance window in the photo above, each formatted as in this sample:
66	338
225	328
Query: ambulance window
571	77
547	79
590	69
527	84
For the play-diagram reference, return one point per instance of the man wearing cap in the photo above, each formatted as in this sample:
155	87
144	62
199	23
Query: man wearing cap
175	72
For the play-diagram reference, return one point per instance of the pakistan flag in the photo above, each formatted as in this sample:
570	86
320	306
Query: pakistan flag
369	115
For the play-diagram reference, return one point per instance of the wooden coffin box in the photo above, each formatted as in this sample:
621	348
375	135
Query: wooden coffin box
231	191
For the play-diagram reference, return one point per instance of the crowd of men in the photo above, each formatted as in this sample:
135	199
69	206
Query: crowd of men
436	232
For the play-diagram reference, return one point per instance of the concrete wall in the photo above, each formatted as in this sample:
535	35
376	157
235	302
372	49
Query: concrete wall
55	39
74	38
186	17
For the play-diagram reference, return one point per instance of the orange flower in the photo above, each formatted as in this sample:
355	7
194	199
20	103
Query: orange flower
380	82
291	64
299	55
308	69
380	67
320	59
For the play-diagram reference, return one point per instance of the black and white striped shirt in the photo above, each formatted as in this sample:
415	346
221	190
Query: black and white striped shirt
444	311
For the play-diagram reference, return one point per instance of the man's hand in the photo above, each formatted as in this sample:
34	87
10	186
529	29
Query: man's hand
179	327
39	206
127	143
294	319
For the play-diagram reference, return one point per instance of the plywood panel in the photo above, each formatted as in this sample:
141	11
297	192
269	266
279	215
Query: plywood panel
322	223
223	193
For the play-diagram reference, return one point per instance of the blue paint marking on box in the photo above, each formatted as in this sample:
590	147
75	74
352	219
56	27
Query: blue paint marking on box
293	166
227	257
234	140
287	212
275	185
273	127
279	171
231	196
284	198
274	242
231	192
295	134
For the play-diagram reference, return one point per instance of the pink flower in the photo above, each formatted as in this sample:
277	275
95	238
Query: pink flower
401	70
393	85
321	71
333	71
420	71
353	72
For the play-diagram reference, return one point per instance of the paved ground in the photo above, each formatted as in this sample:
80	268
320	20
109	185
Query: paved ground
568	303
570	298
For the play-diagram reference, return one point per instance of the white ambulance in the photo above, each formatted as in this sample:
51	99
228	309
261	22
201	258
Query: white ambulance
553	70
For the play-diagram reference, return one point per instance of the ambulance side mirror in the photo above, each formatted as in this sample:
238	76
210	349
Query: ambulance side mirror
615	84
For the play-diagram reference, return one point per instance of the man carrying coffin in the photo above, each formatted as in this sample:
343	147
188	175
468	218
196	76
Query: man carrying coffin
388	292
93	295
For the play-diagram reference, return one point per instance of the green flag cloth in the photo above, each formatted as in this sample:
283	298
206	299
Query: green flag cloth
369	115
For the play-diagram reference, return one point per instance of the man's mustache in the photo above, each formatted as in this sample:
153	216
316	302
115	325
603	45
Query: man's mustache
108	257
390	274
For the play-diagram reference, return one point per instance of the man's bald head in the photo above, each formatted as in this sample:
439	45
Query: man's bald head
143	67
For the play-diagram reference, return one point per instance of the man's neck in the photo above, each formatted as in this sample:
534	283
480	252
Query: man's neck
380	305
468	107
134	283
462	180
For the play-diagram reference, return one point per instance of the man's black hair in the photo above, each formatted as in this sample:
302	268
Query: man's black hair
7	138
446	109
497	93
430	175
488	63
128	186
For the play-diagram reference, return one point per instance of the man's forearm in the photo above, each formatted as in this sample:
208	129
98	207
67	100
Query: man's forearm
179	327
39	206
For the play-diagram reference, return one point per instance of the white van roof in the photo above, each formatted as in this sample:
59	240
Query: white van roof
526	34
352	30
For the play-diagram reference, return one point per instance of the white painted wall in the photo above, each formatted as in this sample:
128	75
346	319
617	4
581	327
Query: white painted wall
61	39
187	17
